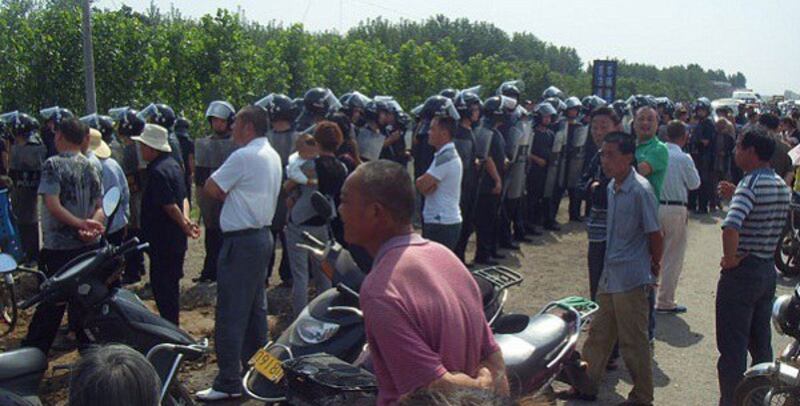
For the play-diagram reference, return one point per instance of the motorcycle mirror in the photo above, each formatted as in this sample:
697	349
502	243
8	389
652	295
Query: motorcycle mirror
7	263
321	205
111	201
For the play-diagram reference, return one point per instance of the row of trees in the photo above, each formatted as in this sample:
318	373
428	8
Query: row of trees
165	57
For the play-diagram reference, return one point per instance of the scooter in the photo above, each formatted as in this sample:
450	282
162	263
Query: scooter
537	349
111	315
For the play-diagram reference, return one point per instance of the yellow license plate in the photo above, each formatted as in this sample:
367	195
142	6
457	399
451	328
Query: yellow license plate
267	365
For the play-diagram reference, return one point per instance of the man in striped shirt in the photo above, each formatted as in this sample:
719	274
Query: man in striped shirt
746	287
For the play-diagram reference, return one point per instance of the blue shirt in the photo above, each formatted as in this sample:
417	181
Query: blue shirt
681	176
759	208
632	215
114	176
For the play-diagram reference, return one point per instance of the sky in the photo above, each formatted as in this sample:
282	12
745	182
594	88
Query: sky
760	39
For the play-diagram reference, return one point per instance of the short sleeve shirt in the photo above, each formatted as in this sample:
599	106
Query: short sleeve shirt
165	186
442	206
656	154
252	178
632	215
76	182
423	316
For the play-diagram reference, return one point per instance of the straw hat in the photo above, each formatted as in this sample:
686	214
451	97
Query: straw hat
97	145
154	136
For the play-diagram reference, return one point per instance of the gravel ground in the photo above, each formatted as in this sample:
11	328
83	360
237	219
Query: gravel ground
554	266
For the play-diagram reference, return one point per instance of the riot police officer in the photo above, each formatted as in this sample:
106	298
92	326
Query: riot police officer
468	105
517	132
128	155
540	208
370	137
701	146
282	136
52	116
574	135
27	156
210	153
491	153
394	145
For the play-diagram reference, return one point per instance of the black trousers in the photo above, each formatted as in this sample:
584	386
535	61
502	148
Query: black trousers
213	244
555	203
47	317
284	270
595	258
743	310
166	270
467	206
504	236
575	201
515	210
29	236
486	225
134	263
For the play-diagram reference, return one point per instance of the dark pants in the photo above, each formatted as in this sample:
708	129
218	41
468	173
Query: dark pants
166	270
705	196
515	212
743	309
575	201
213	244
47	317
503	226
134	263
29	236
595	258
284	270
555	201
445	234
485	225
467	205
241	313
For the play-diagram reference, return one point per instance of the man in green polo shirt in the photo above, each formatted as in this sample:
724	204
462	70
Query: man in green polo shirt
652	155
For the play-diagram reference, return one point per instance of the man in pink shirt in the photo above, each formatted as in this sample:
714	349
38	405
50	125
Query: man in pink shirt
422	309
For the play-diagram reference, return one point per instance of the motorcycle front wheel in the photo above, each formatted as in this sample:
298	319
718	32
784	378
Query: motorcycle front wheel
752	391
786	258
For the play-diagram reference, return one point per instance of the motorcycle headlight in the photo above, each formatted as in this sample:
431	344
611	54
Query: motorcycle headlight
779	314
312	331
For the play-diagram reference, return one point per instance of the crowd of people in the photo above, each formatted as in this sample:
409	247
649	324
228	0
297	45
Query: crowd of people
498	168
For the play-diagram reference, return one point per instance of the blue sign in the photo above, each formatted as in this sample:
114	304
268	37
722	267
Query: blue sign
604	79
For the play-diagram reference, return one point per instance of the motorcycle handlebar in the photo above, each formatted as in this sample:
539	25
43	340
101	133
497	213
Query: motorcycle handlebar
32	300
128	244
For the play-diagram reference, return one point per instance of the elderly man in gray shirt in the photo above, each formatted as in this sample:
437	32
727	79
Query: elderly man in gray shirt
633	255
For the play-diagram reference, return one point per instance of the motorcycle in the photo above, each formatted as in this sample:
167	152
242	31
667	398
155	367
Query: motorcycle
777	382
787	253
111	315
536	349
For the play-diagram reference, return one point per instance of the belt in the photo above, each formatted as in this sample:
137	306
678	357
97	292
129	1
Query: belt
243	232
672	203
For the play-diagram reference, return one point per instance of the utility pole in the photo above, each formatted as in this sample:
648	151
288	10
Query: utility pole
88	57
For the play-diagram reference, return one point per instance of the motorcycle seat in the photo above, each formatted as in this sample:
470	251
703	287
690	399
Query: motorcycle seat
21	362
528	350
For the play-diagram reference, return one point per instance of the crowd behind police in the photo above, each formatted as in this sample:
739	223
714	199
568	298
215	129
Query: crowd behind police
498	168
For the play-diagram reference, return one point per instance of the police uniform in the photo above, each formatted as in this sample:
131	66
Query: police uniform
210	153
25	162
283	143
490	145
464	141
539	206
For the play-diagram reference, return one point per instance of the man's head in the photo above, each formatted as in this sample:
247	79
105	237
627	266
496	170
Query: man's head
646	123
752	115
377	199
71	134
617	154
770	121
788	124
441	131
676	133
682	114
114	375
604	121
153	141
754	149
250	122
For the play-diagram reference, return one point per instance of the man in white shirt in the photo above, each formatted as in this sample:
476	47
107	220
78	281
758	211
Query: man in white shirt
249	183
441	186
673	215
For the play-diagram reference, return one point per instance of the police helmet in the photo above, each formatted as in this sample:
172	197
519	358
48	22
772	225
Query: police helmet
104	124
281	107
56	114
465	101
129	123
551	92
450	93
573	103
159	113
510	90
703	103
373	109
19	124
222	110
